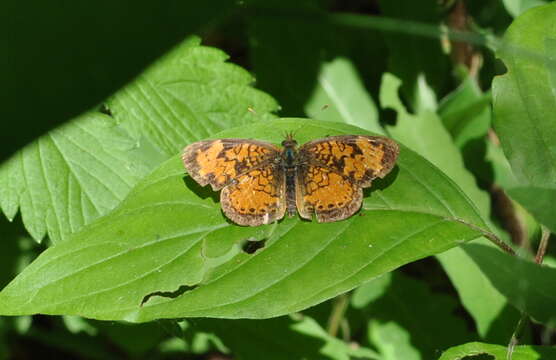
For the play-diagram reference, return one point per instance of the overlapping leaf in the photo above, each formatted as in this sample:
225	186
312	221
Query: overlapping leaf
523	106
76	173
189	94
528	286
341	97
70	176
170	236
426	135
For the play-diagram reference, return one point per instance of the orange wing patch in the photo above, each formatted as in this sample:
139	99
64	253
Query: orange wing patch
357	157
218	162
256	197
329	195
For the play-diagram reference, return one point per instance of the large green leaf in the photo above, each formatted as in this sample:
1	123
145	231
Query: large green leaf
523	106
81	171
170	235
424	133
474	350
70	176
187	95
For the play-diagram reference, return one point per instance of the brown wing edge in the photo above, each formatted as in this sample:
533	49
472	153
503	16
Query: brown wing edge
189	160
391	152
342	213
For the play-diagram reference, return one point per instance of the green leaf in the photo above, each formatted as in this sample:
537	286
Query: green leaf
465	112
526	285
170	236
523	99
425	133
189	94
538	201
402	329
79	172
70	176
282	338
473	350
341	97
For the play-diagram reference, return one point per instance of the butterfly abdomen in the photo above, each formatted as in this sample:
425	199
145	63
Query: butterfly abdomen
290	191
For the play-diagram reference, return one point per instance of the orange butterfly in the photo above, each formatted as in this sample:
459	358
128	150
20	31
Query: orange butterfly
261	181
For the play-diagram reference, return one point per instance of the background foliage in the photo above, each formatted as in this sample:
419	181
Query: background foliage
103	227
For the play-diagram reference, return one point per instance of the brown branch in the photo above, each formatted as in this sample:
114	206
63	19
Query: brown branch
545	235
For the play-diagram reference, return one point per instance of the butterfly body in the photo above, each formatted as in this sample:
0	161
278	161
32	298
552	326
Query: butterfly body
260	182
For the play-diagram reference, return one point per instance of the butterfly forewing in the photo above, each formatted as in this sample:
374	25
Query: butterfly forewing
219	162
357	157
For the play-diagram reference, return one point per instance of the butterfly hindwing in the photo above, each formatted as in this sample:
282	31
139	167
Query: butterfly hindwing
327	194
255	198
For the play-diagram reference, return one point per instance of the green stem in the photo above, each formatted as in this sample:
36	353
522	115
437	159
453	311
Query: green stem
338	310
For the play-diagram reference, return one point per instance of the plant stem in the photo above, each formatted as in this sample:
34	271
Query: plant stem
338	310
489	235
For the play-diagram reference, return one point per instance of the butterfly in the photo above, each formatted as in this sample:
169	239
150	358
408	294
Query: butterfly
260	182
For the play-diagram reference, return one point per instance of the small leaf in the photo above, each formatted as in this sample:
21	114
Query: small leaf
517	7
170	236
416	60
466	112
189	94
340	96
474	350
70	176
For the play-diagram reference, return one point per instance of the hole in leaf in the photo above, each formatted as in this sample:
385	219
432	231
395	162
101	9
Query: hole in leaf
105	110
251	245
169	294
479	357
